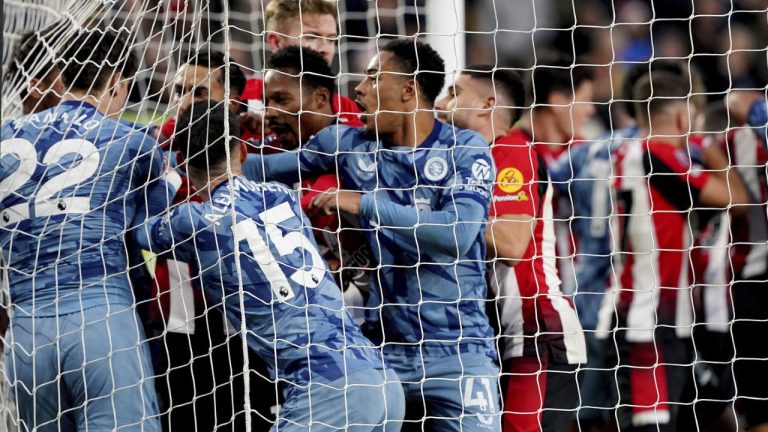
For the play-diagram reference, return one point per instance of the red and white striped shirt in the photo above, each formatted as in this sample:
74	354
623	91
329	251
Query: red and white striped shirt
534	311
657	186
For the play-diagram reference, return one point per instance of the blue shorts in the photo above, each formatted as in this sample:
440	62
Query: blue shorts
364	401
82	371
459	392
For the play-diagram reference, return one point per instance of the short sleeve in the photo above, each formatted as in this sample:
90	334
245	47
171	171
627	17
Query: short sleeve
674	175
516	187
474	170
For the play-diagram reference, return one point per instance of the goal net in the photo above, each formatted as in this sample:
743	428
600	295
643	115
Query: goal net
614	279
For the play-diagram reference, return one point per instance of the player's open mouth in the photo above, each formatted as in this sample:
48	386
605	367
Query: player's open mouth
361	106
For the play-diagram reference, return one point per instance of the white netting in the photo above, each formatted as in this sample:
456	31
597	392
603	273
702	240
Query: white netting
569	355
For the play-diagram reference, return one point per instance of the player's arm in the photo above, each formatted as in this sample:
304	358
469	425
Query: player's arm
448	230
316	157
687	187
512	222
725	185
508	237
161	233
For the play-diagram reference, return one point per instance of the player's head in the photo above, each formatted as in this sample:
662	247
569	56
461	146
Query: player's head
298	89
99	62
310	23
564	94
36	74
675	67
662	105
484	99
201	139
202	79
405	76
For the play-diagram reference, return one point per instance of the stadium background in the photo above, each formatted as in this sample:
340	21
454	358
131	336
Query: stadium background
725	40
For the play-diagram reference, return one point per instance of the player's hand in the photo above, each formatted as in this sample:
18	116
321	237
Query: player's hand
253	122
334	200
739	103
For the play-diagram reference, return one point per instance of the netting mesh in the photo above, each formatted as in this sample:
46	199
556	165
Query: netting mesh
594	257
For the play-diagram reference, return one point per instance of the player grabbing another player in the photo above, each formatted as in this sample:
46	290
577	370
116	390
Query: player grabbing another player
299	87
421	190
257	258
657	186
72	180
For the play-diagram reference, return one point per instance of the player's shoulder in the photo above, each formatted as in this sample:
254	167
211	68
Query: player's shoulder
452	136
340	137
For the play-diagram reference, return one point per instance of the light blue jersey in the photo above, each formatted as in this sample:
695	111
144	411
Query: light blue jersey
424	211
584	174
72	181
292	308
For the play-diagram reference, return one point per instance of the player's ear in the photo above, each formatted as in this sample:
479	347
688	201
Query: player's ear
33	89
488	106
409	91
274	41
322	97
243	151
558	99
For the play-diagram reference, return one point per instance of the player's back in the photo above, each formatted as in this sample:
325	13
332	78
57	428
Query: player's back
75	177
292	307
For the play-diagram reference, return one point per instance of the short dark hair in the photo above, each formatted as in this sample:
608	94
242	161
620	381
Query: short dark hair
633	77
505	81
215	60
200	134
92	55
423	62
555	74
305	63
33	47
657	90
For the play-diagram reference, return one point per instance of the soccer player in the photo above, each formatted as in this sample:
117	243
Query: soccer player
308	23
749	255
561	105
484	100
421	191
299	86
72	181
41	85
196	340
202	79
583	176
257	259
542	339
657	186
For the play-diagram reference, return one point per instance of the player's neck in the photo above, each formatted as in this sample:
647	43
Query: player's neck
206	182
541	125
414	130
666	135
100	103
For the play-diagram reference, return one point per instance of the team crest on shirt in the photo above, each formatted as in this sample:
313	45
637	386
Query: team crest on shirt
436	168
510	180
